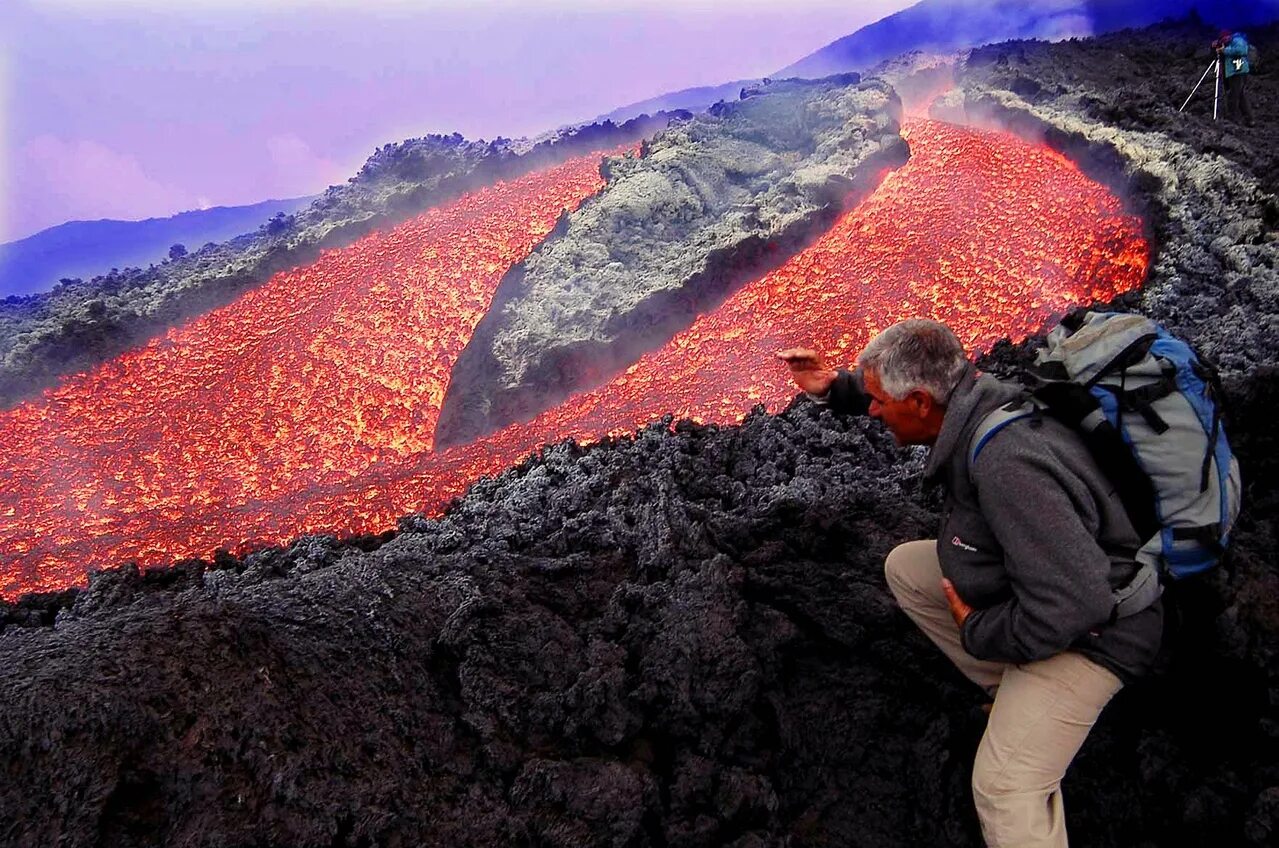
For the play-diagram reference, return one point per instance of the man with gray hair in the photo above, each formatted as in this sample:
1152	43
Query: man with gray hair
1017	588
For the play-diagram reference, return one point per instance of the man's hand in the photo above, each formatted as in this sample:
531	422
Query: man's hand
958	609
808	370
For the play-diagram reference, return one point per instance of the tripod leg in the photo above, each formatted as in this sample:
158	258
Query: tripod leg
1196	88
1216	90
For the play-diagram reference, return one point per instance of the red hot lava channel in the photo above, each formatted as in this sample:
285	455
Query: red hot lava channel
309	404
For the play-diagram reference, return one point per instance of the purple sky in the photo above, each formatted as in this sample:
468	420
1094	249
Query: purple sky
132	109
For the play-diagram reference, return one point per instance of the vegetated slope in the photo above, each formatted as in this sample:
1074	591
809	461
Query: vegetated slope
712	203
47	336
88	248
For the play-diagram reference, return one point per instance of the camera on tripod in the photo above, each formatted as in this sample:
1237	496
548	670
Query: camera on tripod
1214	68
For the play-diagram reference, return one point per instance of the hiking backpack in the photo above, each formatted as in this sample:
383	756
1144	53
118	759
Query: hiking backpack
1147	407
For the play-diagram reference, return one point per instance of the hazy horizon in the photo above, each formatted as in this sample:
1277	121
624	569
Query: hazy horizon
127	109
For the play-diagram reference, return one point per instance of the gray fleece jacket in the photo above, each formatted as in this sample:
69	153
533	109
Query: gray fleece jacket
1022	536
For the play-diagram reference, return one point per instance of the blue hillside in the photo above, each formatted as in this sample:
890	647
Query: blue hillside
89	248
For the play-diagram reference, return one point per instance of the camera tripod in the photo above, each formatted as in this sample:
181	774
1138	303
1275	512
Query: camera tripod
1216	86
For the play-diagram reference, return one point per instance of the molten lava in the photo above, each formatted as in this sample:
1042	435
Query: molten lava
309	404
305	381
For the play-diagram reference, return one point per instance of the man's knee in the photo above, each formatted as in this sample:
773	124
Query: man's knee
1015	810
894	565
990	781
910	566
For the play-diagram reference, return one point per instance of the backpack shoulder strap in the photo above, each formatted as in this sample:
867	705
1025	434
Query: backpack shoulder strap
997	420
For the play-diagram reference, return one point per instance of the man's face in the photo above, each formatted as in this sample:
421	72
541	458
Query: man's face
913	420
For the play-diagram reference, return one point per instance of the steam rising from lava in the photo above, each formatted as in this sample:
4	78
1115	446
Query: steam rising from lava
309	405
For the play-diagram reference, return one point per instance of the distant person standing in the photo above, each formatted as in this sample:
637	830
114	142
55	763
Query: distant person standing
1233	50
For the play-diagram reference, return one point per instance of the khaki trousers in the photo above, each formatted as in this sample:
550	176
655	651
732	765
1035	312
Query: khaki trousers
1042	713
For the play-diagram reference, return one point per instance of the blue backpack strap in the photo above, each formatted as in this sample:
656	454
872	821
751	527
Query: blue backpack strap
996	421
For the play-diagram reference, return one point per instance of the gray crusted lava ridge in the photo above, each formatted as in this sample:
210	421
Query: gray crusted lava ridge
709	204
681	638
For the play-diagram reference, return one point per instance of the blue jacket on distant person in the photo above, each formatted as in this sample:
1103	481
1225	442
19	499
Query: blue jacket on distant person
1235	55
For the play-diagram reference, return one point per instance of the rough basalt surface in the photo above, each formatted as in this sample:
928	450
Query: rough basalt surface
708	205
677	639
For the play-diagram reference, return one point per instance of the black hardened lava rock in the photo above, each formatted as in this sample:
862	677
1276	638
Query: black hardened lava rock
682	639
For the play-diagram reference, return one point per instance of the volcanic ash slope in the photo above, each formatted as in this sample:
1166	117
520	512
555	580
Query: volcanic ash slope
710	204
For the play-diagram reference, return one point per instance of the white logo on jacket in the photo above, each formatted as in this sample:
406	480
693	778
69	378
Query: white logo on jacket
959	543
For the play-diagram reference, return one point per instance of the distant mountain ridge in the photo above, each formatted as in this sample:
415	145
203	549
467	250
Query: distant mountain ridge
89	248
946	25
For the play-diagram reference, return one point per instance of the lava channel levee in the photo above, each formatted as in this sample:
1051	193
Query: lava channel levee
982	230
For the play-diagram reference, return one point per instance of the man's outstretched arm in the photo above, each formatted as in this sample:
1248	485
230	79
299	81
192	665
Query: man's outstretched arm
838	388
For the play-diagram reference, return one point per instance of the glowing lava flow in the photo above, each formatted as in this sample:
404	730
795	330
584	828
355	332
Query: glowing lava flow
981	230
984	231
305	381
